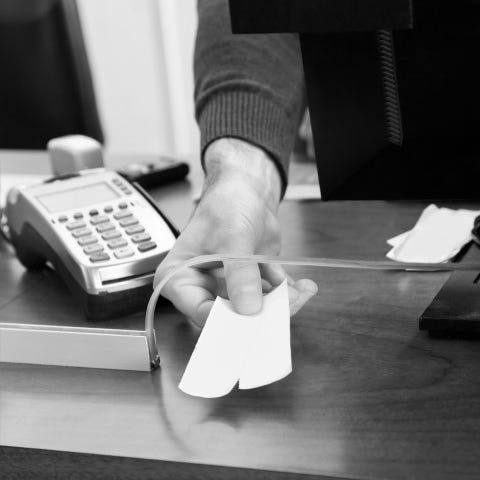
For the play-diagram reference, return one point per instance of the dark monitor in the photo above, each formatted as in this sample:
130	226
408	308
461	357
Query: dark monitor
394	96
393	92
46	88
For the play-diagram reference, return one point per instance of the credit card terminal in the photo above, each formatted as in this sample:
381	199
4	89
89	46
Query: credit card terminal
102	234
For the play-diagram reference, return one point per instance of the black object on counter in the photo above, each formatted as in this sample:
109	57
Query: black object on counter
455	310
160	171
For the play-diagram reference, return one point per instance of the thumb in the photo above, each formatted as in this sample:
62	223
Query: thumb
244	286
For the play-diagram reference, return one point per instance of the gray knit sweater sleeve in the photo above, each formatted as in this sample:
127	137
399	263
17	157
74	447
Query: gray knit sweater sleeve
247	86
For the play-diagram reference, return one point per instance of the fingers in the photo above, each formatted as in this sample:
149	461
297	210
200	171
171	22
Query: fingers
244	286
200	304
191	292
273	273
306	289
222	287
299	292
293	295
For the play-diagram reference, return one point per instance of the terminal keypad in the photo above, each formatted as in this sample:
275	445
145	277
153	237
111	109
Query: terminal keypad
111	235
105	227
117	231
99	257
87	240
75	225
124	253
134	229
122	214
128	221
93	249
141	237
119	242
145	246
81	232
98	219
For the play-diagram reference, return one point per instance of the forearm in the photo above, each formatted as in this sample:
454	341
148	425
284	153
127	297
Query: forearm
234	161
247	86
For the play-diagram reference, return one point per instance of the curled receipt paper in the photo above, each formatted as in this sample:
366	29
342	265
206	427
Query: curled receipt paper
253	350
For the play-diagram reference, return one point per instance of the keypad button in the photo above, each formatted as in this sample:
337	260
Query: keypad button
108	209
121	242
128	192
87	241
100	257
145	246
111	235
134	229
81	232
128	222
125	189
122	214
75	225
93	212
117	181
123	205
124	253
105	227
78	215
141	237
97	220
62	218
93	249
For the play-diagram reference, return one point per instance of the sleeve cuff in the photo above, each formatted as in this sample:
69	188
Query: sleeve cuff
250	117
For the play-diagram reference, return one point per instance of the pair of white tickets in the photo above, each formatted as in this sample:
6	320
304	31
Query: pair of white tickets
438	235
253	350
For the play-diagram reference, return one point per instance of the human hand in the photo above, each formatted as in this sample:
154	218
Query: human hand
237	214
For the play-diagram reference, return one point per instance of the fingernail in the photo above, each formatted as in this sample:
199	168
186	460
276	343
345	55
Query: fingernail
250	308
308	285
247	303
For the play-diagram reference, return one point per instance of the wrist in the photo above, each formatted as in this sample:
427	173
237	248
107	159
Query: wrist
235	161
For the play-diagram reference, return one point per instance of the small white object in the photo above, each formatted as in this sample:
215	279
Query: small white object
300	192
75	347
251	349
438	235
72	153
398	239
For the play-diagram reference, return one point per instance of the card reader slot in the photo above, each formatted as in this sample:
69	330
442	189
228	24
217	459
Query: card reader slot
134	270
128	278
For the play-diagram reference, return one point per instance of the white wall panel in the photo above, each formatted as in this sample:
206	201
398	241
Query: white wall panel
141	57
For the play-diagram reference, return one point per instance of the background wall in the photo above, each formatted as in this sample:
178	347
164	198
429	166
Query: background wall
141	55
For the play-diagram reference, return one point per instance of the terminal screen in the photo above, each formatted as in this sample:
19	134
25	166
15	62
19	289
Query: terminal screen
78	197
